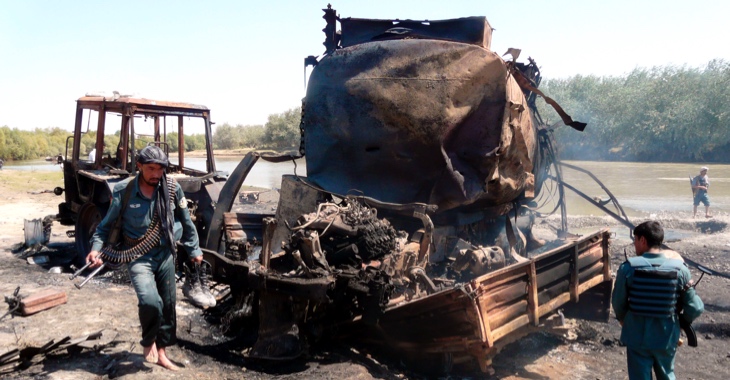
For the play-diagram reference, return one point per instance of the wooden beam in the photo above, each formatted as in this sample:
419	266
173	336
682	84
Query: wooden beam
590	257
532	303
590	283
507	294
553	304
512	326
507	314
574	278
606	257
555	273
484	316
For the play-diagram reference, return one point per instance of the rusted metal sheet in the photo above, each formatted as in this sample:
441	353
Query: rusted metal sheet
110	100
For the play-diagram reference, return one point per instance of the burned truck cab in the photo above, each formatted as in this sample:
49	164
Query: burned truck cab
108	132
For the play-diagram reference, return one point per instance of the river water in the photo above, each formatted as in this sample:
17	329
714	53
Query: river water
641	188
647	188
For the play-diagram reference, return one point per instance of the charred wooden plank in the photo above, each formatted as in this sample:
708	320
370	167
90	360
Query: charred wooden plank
511	327
507	295
532	303
42	300
574	278
588	258
507	315
552	275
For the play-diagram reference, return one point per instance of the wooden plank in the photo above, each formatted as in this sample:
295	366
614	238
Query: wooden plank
507	314
532	303
574	279
483	306
494	280
553	304
489	278
506	295
590	257
582	240
552	275
42	300
590	283
544	263
545	294
596	269
510	327
606	258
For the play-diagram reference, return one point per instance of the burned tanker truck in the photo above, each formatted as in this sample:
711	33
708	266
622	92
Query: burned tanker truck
412	229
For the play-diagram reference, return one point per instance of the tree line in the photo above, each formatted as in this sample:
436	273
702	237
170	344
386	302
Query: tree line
666	113
281	133
659	114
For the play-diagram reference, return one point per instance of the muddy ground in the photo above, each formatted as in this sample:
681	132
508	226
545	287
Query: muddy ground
583	350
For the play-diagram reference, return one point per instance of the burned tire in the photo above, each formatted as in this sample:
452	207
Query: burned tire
89	217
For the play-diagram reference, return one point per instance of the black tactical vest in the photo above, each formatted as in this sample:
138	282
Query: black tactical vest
655	289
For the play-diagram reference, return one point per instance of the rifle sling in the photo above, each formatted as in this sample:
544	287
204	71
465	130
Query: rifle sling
116	232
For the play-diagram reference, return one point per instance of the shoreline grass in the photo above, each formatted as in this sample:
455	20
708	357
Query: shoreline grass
29	180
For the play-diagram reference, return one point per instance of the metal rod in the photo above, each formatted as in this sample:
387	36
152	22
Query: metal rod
89	277
78	272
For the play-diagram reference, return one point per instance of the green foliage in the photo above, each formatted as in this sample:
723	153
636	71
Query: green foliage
172	141
27	145
226	137
658	114
282	130
194	142
240	136
252	136
17	144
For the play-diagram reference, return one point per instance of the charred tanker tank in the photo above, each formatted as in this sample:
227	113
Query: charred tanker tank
406	119
424	111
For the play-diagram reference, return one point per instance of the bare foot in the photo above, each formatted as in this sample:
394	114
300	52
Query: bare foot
164	361
150	354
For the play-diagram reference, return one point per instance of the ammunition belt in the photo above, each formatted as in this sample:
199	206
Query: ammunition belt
139	246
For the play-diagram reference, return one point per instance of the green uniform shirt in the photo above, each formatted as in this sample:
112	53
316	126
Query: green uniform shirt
647	332
138	216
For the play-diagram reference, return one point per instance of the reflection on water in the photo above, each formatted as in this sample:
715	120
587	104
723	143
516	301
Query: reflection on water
641	188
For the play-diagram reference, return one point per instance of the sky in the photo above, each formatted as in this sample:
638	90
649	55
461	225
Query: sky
244	59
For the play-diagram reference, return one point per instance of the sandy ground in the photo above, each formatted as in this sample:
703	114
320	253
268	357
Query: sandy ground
585	350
